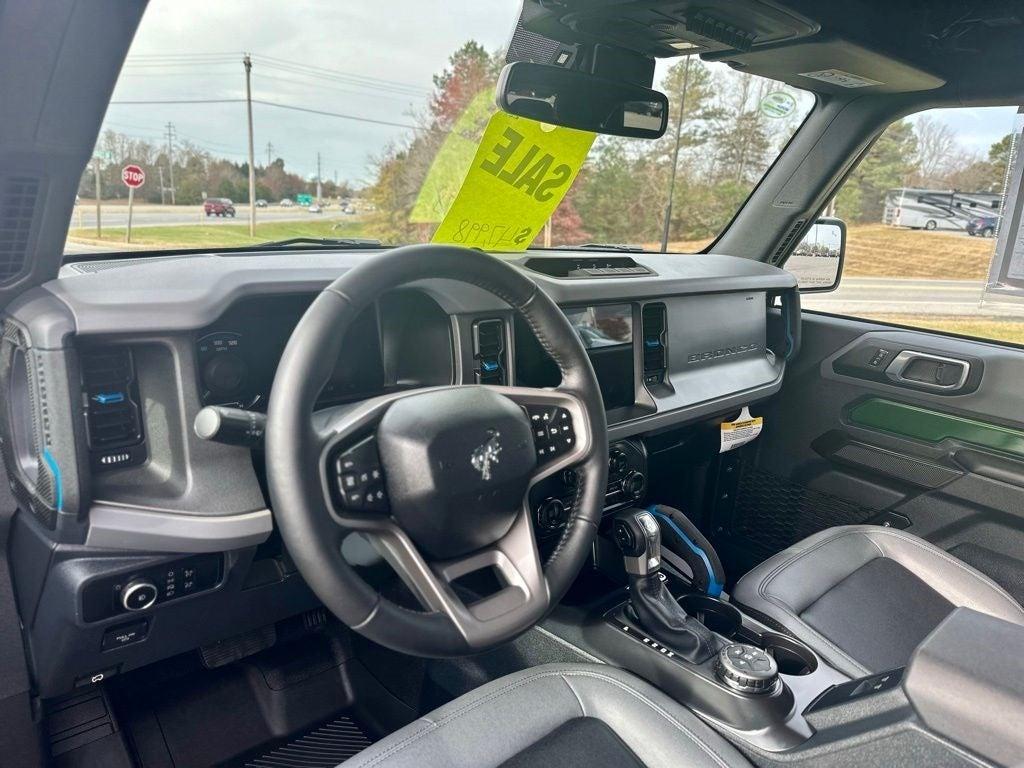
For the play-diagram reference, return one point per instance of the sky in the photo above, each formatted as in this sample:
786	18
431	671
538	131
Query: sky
379	59
189	49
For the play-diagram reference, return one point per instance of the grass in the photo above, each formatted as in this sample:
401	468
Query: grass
877	250
1010	330
219	235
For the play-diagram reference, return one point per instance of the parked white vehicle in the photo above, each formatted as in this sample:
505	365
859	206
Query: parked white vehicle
945	209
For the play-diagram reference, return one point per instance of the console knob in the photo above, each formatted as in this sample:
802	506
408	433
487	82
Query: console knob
139	595
746	668
633	484
224	373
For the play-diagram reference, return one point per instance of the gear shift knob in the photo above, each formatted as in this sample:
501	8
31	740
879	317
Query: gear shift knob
639	537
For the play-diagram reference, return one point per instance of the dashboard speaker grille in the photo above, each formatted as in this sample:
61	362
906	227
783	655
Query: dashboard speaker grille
489	351
18	196
784	246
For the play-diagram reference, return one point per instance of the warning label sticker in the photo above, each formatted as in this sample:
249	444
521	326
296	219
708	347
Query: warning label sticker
520	173
841	78
741	431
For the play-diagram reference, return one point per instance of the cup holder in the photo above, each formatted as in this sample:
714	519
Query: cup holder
792	657
717	615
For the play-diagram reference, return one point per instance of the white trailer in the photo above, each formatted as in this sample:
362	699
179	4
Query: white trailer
945	209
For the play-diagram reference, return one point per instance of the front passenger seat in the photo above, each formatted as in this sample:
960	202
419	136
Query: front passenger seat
565	715
864	597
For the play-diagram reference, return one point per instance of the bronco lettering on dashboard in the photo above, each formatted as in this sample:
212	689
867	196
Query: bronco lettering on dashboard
713	354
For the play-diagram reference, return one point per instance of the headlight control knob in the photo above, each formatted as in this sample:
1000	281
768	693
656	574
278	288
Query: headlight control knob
138	595
746	668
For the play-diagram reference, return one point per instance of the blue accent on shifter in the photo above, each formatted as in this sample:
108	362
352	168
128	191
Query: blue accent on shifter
715	587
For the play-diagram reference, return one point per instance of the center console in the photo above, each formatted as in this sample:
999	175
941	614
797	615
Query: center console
754	683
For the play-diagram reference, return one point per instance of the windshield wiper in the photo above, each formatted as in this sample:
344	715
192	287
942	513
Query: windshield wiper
320	242
609	247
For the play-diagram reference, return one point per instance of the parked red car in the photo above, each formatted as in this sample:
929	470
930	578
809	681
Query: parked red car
219	206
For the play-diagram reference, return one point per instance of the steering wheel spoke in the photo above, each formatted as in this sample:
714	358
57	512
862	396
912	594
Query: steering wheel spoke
522	598
561	431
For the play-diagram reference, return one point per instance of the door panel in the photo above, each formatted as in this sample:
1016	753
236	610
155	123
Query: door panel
846	443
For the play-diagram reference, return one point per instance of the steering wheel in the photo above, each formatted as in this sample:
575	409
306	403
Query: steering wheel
437	478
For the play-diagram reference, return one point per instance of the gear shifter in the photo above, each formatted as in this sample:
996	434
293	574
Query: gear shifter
639	537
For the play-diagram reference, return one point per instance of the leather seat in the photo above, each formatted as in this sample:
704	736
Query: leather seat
565	715
863	596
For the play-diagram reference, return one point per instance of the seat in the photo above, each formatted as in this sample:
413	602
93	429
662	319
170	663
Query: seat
863	596
565	715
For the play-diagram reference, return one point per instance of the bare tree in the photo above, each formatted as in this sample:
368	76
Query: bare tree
937	150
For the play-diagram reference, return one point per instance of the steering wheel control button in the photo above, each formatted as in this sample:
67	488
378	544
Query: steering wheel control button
553	432
360	479
746	668
139	595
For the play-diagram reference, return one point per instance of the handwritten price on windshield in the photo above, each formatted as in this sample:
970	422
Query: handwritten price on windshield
491	235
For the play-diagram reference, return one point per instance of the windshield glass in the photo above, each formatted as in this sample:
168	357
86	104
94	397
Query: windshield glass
351	106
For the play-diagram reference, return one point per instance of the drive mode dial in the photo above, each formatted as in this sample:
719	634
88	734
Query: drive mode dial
746	668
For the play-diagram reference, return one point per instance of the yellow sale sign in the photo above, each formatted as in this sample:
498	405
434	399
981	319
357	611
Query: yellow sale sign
520	173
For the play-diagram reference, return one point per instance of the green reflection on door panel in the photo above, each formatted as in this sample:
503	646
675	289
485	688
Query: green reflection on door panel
934	427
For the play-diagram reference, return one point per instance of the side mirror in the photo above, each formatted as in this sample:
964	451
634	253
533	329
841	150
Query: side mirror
575	99
817	260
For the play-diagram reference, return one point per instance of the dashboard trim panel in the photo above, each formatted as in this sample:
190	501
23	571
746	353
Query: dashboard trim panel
121	527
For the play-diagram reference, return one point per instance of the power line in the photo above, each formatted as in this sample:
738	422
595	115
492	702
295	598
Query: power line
142	102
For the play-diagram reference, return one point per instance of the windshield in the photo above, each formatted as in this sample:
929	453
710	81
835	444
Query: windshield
356	116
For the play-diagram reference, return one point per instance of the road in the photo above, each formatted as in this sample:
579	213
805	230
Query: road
171	215
898	296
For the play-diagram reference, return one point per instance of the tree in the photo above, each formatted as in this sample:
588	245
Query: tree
889	164
937	151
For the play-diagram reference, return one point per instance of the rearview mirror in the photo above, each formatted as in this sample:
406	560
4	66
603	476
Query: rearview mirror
577	100
817	260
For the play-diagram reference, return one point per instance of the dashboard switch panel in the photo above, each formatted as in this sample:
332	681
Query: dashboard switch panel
148	588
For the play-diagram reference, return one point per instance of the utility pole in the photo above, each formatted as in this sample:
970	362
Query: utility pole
170	157
675	158
96	170
270	153
319	186
163	200
247	62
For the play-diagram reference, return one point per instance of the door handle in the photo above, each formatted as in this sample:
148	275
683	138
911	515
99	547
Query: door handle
920	369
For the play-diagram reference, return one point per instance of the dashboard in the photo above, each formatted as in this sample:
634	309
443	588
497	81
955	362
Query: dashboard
142	540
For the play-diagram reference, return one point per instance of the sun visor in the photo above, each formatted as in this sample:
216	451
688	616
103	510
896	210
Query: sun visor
833	65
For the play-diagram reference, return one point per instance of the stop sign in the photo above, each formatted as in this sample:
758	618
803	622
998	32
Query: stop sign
133	176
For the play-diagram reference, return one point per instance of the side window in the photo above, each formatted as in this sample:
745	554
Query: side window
924	213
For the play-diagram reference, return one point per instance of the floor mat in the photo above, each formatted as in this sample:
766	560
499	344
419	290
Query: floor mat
324	747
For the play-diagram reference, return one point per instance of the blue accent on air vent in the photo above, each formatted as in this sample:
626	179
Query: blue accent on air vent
109	398
58	493
489	366
652	343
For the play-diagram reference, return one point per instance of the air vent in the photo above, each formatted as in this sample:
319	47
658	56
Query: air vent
111	407
655	325
18	197
786	245
489	351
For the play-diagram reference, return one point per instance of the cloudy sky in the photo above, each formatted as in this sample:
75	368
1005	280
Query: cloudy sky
385	51
368	60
